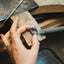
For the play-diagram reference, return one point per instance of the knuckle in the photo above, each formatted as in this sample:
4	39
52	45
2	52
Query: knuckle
15	47
12	31
4	38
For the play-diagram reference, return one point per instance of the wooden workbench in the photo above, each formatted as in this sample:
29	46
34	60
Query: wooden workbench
27	19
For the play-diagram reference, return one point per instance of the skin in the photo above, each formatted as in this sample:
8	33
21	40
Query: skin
17	51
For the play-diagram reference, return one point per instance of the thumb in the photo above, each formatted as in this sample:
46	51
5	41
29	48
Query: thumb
35	43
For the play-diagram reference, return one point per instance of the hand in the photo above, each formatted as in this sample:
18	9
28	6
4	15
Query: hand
17	51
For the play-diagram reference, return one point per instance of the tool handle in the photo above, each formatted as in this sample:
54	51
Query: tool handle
52	30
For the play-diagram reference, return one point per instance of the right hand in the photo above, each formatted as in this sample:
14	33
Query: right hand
19	54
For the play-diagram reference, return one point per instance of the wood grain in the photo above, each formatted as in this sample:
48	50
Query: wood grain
49	2
48	9
51	23
27	19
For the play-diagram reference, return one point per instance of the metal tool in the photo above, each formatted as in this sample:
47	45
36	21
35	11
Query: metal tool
13	10
47	31
8	7
51	30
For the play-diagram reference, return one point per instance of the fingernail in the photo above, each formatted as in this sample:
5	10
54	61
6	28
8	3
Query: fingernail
35	36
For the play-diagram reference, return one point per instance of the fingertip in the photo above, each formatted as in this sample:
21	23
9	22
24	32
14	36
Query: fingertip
28	27
17	19
34	39
14	25
35	36
1	35
31	27
35	43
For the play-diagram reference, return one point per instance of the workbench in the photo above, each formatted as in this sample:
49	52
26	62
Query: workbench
26	18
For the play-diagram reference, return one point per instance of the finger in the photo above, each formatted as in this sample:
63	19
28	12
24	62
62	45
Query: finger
7	35
14	25
35	44
24	28
5	40
1	35
16	41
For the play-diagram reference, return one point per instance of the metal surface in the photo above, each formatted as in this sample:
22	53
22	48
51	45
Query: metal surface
51	30
7	6
46	32
33	5
13	10
47	57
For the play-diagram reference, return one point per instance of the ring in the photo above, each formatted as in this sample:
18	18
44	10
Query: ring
34	29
